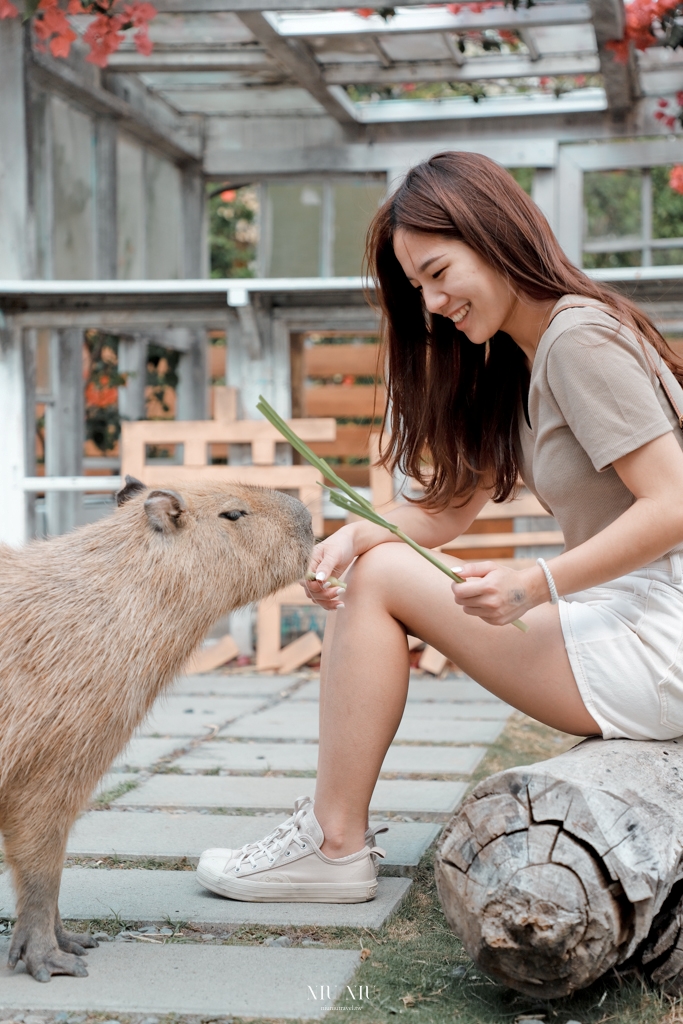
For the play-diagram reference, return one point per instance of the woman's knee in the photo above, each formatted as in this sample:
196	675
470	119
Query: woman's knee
380	569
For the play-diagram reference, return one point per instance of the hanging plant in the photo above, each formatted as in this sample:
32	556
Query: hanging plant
110	20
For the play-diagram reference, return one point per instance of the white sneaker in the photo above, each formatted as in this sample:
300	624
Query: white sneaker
289	867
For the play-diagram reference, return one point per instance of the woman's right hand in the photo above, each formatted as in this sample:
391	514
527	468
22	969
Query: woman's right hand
330	558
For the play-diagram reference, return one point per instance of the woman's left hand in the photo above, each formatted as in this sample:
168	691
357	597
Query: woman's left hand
496	594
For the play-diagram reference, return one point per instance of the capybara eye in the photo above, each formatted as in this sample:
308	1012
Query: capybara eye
232	515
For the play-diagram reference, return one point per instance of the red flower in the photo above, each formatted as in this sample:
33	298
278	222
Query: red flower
676	178
229	195
143	44
104	37
139	14
670	122
100	394
52	27
365	12
659	115
662	103
7	10
679	99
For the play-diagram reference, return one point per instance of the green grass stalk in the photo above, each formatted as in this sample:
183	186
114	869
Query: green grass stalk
350	500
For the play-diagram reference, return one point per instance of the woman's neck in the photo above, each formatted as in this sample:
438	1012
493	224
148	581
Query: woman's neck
527	321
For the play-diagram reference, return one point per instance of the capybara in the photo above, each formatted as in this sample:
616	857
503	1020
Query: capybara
94	625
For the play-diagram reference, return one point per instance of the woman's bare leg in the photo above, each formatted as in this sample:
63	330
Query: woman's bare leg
365	671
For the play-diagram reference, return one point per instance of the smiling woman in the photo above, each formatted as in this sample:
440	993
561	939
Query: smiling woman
504	361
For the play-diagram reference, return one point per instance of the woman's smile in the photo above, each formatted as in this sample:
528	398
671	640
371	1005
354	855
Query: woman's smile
460	313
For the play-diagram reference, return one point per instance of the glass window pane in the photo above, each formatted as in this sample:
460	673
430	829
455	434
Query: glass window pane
595	260
667	207
295	213
354	206
612	204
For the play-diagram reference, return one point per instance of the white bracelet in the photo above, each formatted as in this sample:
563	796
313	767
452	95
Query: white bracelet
554	596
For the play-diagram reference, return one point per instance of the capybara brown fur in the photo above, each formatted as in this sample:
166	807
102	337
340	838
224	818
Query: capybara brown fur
94	625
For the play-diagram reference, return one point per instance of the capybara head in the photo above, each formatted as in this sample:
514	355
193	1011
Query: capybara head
239	542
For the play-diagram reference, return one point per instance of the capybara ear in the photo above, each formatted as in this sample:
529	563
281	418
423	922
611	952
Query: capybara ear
131	487
165	510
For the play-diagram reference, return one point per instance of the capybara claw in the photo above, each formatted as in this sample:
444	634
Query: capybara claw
76	942
56	962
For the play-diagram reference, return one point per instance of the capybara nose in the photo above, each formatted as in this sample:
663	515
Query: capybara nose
300	515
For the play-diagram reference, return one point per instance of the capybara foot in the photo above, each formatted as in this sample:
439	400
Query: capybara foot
75	942
43	958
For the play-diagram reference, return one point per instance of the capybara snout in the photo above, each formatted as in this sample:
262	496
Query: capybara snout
94	625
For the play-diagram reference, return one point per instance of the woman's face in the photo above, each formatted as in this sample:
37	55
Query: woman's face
456	283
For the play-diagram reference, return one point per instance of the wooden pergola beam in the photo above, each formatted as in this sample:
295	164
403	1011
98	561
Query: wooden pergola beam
295	59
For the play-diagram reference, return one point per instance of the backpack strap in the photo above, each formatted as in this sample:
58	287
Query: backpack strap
646	349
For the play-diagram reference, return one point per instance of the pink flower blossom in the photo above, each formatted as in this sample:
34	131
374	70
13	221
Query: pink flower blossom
676	178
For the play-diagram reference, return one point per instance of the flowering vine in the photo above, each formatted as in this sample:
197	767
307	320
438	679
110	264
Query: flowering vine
649	23
110	19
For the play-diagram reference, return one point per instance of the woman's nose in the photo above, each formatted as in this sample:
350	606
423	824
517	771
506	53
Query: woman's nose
434	299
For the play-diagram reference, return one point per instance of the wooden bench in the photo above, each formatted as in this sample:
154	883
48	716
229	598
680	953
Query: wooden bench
196	437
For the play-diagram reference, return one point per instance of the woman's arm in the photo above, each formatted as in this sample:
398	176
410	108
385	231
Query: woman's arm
648	529
430	529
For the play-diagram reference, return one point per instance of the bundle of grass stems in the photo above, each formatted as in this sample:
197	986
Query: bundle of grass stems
349	499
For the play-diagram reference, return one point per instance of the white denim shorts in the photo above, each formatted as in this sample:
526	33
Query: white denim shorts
625	646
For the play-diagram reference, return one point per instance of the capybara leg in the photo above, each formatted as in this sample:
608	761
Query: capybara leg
36	862
73	942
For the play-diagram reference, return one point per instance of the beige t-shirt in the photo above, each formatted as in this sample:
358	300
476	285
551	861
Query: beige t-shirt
593	397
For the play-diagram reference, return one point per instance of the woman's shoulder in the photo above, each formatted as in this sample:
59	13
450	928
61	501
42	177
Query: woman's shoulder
584	331
579	320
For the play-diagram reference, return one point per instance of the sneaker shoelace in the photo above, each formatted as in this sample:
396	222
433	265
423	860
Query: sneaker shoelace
277	841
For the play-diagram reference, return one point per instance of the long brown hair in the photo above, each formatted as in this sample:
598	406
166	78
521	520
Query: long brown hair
455	405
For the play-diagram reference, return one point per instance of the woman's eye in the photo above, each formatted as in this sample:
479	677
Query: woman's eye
435	275
233	515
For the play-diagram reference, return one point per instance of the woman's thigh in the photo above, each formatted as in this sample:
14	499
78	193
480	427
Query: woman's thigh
530	671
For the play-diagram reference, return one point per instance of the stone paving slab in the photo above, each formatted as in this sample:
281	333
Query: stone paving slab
440	730
111	781
254	685
193	716
485	710
298	720
153	897
459	690
241	981
482	710
248	792
145	751
303	757
172	836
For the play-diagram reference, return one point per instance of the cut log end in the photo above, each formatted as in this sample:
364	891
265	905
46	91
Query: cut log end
533	911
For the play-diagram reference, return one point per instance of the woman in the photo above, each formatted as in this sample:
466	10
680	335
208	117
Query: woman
504	361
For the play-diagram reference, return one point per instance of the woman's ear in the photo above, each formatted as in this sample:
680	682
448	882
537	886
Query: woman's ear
165	510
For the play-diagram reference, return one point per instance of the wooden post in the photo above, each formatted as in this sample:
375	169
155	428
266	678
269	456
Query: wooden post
105	197
64	428
554	872
192	394
133	361
13	434
15	250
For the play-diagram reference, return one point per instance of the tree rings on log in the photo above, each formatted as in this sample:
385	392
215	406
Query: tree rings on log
553	873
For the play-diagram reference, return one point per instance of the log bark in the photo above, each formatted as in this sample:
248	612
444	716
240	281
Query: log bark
552	873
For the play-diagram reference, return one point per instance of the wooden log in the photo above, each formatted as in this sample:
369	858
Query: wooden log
554	872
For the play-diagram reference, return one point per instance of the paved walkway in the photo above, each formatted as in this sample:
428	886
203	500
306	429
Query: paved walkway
219	762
